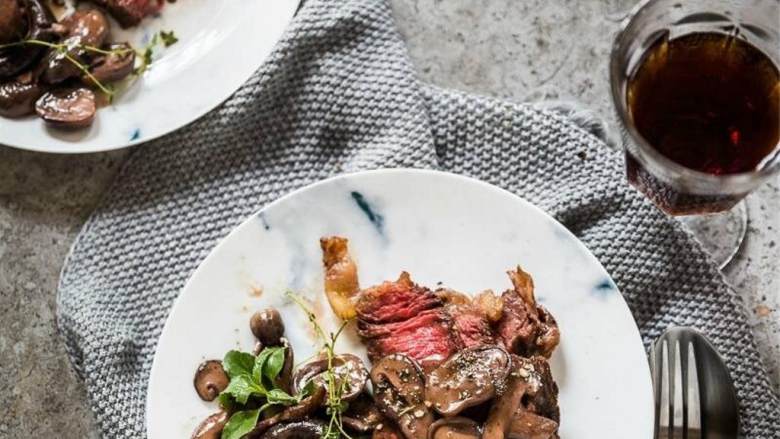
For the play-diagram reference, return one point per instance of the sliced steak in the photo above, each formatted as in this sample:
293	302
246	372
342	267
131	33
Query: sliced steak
130	12
525	327
425	338
471	325
541	397
395	301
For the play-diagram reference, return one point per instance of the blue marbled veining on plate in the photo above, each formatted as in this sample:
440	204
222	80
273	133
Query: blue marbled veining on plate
264	220
136	134
604	288
370	211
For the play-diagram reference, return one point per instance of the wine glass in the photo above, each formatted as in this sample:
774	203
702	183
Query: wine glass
673	130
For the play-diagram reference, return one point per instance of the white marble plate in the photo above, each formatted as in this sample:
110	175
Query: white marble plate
439	227
221	43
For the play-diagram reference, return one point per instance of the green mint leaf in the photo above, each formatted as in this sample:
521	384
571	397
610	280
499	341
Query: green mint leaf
242	387
240	424
168	38
257	368
307	390
227	402
274	364
238	363
279	396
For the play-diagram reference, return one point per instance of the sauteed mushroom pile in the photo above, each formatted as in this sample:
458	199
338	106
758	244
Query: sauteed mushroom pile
62	70
480	392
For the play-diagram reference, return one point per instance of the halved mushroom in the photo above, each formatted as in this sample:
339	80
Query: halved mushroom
13	26
267	326
362	415
466	379
17	98
210	380
454	428
68	108
211	427
306	429
399	388
504	407
14	60
85	27
114	67
526	425
345	366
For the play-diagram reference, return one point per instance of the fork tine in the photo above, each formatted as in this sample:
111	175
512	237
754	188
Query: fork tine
663	389
678	409
694	398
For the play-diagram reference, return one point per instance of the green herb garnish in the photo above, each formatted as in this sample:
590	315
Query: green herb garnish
334	405
253	378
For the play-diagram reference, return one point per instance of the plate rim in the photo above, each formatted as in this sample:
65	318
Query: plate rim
390	171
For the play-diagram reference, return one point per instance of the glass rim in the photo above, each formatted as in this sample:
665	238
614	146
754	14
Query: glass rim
660	165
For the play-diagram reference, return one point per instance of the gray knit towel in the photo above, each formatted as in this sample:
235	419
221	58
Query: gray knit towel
339	95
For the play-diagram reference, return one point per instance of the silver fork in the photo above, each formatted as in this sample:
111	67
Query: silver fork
694	393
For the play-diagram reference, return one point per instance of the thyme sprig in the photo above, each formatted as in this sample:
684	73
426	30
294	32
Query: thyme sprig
145	55
335	406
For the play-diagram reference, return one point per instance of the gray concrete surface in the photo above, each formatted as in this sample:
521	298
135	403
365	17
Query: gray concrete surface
512	49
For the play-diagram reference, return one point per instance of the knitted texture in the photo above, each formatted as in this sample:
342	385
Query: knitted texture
339	94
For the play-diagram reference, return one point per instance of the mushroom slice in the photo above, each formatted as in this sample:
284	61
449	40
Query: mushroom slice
14	60
344	366
454	428
210	380
68	108
267	326
86	27
114	67
13	26
341	279
362	415
306	429
466	379
399	387
17	98
306	408
386	431
527	425
211	427
504	407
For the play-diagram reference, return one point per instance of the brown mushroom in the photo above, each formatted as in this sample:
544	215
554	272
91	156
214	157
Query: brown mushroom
67	108
114	67
343	366
14	60
399	388
13	26
362	415
86	27
454	428
211	427
386	431
267	326
305	429
284	380
297	412
504	407
527	425
18	98
210	380
466	379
